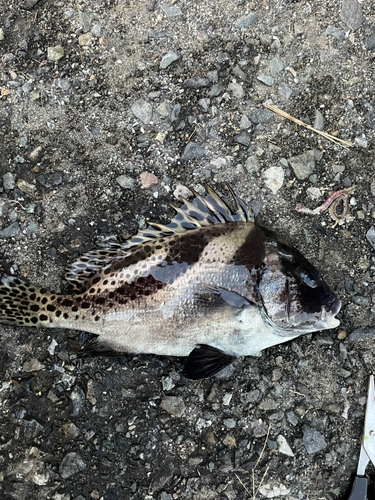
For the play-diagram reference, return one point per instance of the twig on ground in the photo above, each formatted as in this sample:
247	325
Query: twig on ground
336	140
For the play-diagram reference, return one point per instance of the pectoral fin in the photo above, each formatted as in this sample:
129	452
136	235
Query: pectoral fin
204	361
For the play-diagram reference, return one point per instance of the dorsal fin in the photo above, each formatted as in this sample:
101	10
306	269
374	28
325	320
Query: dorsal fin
191	215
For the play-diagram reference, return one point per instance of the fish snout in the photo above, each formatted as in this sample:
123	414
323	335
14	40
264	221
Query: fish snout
334	307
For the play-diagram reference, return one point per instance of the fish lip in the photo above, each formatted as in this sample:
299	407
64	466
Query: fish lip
336	306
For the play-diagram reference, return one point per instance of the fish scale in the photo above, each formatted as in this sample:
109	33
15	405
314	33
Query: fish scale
211	285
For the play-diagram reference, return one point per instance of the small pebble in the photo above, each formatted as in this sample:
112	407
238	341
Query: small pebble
267	80
274	178
171	10
313	440
245	21
173	405
193	151
86	39
8	181
55	53
10	231
142	110
147	180
237	90
182	191
168	59
283	446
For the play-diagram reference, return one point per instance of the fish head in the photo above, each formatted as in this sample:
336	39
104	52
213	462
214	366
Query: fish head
294	296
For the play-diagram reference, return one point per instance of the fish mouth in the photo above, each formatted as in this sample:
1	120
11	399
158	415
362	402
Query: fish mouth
328	317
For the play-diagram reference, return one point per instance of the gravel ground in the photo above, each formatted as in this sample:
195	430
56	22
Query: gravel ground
108	109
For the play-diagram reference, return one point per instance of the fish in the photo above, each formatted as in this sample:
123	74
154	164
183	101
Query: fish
211	286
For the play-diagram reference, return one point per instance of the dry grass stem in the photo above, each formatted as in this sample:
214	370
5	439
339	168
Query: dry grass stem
336	140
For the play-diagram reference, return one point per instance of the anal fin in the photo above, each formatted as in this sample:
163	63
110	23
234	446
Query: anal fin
205	361
95	347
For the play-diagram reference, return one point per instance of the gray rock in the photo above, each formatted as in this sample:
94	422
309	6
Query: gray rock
245	123
292	418
370	42
319	120
163	474
370	236
26	88
126	182
274	178
265	116
142	110
304	164
8	181
243	138
96	30
23	141
165	496
204	103
193	151
71	464
49	180
32	228
351	13
78	400
173	405
32	428
171	10
365	333
164	109
276	65
168	59
175	112
10	231
1	34
361	301
55	53
361	141
215	90
252	164
267	80
246	21
336	33
85	19
313	440
285	91
370	119
63	83
237	90
213	76
351	286
237	71
196	83
230	423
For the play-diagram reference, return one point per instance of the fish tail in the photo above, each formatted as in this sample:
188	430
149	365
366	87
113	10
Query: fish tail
22	304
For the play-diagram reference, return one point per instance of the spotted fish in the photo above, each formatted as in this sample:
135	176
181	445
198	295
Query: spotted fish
211	285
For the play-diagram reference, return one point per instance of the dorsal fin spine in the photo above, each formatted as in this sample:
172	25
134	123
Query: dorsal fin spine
191	215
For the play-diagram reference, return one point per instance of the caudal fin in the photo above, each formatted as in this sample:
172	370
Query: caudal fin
24	305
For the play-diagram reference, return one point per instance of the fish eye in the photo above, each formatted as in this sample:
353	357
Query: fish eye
309	279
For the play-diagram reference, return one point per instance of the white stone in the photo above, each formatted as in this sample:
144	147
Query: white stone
283	446
274	178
